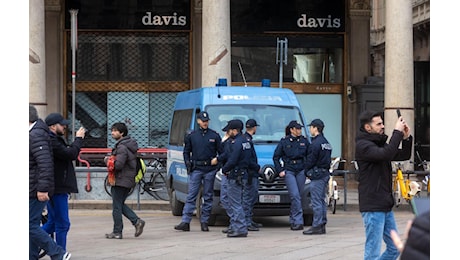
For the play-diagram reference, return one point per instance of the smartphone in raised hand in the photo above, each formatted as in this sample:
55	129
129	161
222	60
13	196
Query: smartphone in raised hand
398	112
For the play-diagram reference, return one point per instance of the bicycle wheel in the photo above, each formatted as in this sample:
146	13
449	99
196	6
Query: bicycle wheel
107	187
157	187
333	205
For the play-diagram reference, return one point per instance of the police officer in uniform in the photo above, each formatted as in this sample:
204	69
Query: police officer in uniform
236	169
221	160
292	150
251	189
319	160
201	146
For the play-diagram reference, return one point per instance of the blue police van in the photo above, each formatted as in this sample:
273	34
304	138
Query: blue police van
272	108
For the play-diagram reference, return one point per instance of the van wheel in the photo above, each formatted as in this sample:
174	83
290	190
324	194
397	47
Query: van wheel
307	219
176	205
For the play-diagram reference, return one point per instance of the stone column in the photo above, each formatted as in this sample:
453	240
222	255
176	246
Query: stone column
399	67
37	76
216	62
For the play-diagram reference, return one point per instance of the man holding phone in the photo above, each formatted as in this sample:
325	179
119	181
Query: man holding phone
374	155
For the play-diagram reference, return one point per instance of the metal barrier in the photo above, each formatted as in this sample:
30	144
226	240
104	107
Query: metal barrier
90	154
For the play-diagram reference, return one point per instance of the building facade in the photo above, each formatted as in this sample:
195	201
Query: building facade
130	58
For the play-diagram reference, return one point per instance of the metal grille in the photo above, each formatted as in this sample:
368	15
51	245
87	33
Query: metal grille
129	77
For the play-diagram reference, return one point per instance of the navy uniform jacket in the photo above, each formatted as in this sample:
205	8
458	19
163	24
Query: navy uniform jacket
200	147
254	167
240	154
319	153
293	151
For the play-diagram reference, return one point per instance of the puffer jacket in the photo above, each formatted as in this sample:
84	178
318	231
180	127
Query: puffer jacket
41	174
125	151
374	157
65	180
418	241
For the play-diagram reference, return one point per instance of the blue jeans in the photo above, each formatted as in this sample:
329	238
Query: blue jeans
120	209
295	183
235	198
38	238
318	200
58	218
377	226
197	177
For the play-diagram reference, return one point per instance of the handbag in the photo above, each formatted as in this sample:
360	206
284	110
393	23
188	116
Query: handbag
111	170
316	173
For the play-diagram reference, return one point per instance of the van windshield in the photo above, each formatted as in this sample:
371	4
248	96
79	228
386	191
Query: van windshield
272	120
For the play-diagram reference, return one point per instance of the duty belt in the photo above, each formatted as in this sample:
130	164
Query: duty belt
297	161
202	163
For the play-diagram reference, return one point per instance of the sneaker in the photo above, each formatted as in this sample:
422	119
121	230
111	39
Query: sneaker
139	227
66	256
114	236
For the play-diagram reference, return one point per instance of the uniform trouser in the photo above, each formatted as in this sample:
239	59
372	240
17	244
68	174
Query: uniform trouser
378	226
58	218
120	209
235	198
318	200
295	183
224	195
197	177
250	197
38	238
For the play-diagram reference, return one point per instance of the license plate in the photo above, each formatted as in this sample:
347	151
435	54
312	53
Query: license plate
269	198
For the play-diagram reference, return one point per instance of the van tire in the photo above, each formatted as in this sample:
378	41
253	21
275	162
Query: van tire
307	219
176	205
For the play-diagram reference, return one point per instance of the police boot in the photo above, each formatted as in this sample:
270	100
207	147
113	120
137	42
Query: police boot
315	231
183	226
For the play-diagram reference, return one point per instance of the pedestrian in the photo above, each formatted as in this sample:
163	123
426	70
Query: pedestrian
236	169
417	232
201	146
65	180
292	151
374	155
41	188
123	160
251	189
317	170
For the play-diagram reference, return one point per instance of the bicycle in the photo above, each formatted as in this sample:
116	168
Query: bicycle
404	188
154	184
426	167
332	194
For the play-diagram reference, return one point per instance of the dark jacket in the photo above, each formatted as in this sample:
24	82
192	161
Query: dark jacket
374	157
418	241
41	174
201	146
125	151
239	157
293	151
319	153
65	180
254	167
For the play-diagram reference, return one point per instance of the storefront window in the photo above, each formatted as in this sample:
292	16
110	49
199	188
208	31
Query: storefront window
309	59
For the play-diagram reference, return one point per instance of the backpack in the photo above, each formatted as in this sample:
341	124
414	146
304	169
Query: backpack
140	169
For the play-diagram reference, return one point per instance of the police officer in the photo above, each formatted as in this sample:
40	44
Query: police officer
221	160
292	150
201	146
236	169
251	189
319	160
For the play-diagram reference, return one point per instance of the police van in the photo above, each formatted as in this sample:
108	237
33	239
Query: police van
272	108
